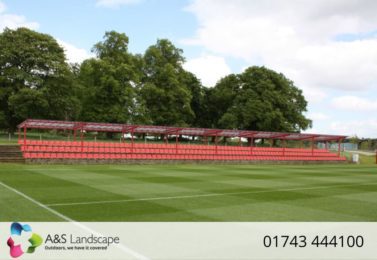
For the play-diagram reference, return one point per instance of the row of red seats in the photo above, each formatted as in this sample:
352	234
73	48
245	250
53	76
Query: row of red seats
51	148
76	149
93	150
29	155
162	146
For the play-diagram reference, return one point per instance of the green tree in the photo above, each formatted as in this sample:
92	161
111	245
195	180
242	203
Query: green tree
109	82
258	99
164	86
220	99
198	102
33	68
28	103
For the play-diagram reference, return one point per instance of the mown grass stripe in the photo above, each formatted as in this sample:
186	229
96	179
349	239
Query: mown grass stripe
209	195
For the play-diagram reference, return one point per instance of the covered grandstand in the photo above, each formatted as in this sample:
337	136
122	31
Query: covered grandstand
128	150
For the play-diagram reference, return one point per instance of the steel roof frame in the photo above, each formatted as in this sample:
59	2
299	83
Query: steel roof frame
170	130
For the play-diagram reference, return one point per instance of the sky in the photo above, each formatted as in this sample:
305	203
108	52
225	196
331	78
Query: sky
327	48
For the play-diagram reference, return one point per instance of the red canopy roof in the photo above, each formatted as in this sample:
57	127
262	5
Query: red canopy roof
169	130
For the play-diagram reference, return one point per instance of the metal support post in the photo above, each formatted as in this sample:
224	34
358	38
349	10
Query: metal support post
216	144
24	135
176	143
251	145
82	140
132	141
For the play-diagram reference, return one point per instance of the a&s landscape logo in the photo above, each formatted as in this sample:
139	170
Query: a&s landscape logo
17	230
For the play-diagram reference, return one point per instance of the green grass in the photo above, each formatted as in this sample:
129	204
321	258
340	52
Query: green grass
190	192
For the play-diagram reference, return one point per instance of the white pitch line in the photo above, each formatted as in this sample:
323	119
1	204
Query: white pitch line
46	207
54	212
206	195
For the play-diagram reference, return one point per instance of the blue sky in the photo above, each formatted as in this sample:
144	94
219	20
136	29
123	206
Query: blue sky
329	49
82	23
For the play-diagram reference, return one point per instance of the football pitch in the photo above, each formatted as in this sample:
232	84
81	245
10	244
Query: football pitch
188	193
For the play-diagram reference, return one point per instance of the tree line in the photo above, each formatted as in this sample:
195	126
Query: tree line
116	86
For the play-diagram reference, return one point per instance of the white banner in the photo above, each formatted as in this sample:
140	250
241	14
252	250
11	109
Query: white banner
180	240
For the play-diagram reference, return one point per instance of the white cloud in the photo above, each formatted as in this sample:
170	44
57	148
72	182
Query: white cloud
317	116
295	38
208	68
13	21
116	3
341	65
314	95
74	54
353	103
361	128
302	39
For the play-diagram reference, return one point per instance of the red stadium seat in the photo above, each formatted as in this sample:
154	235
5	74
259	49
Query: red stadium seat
149	151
